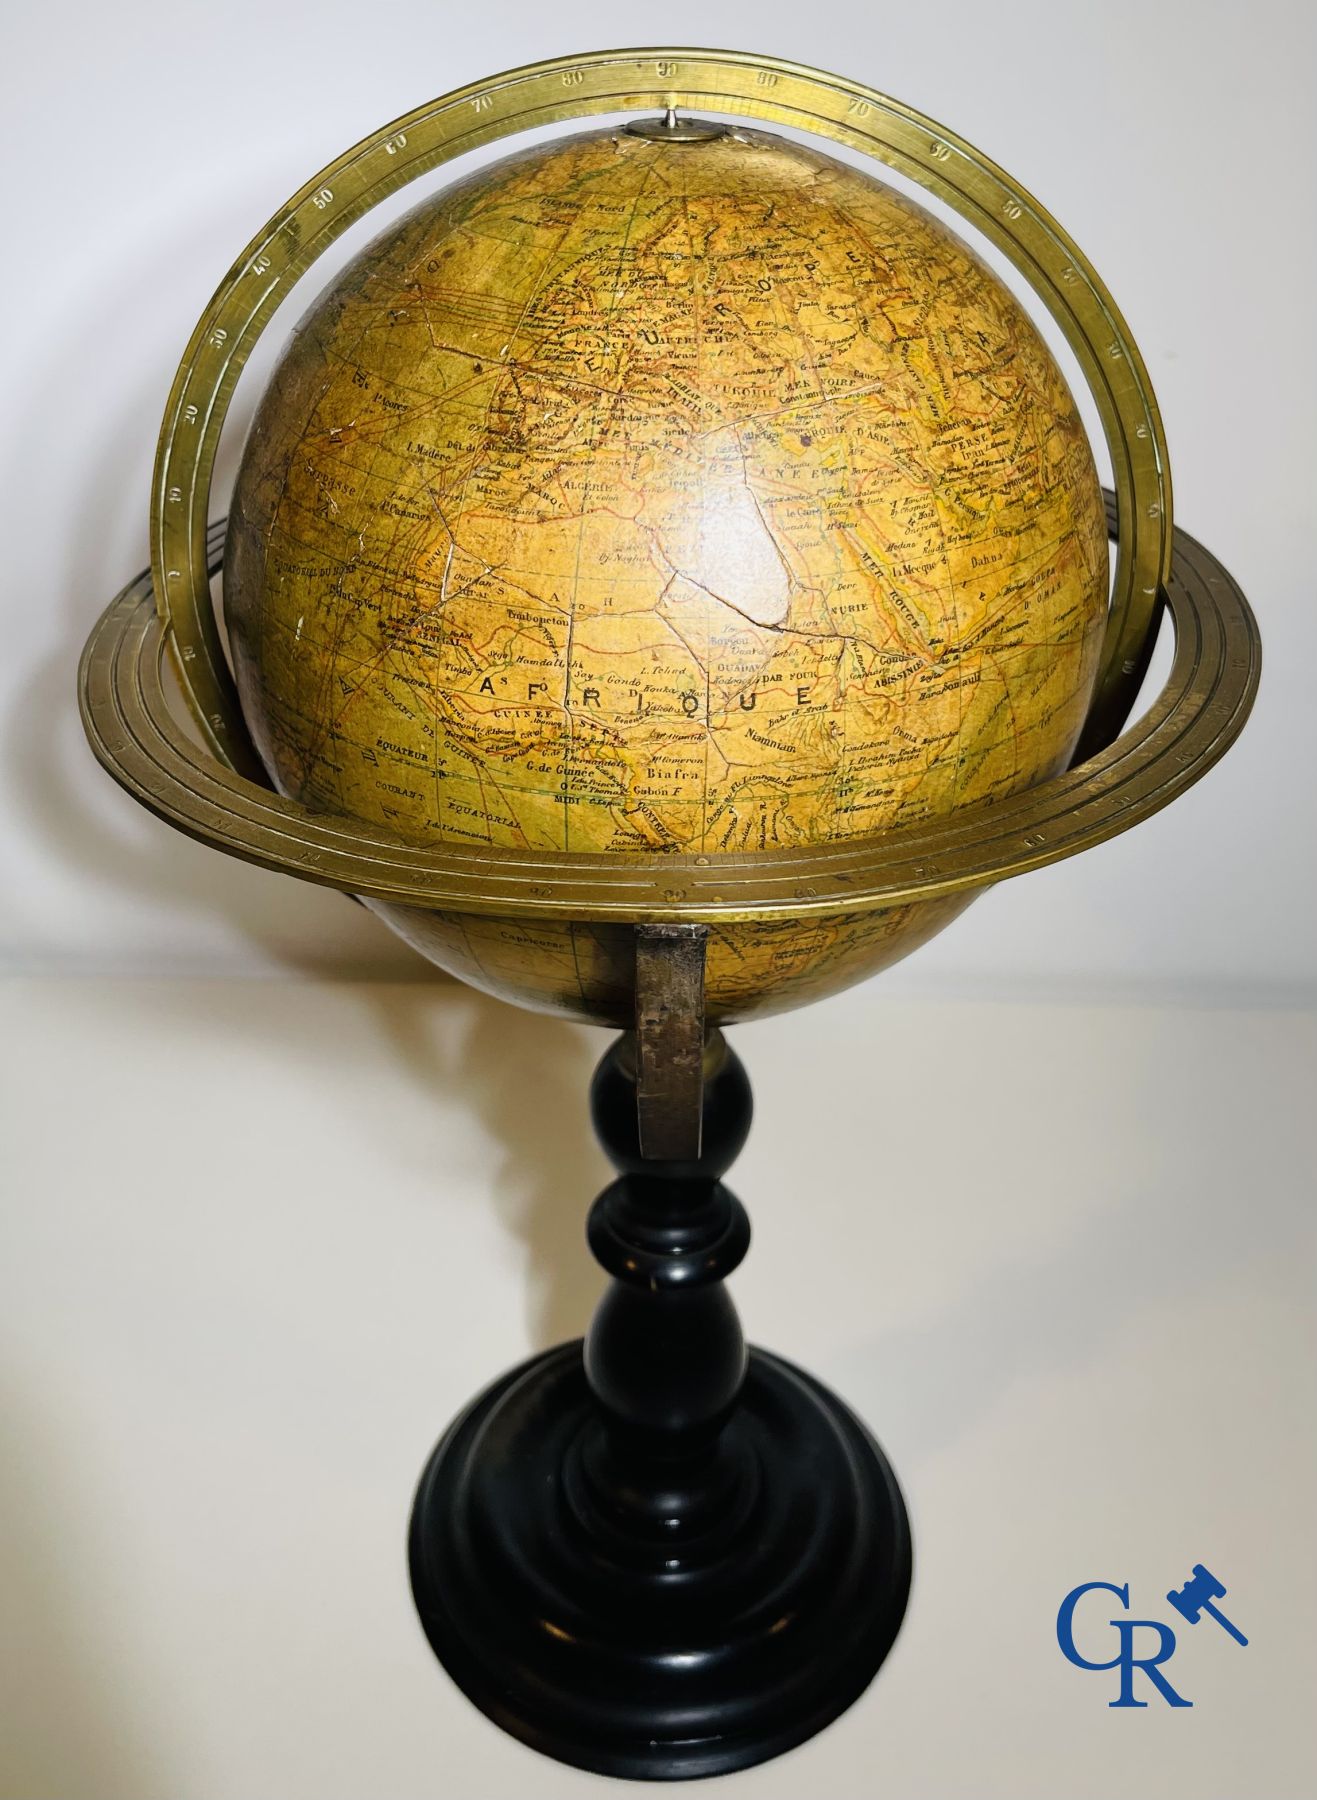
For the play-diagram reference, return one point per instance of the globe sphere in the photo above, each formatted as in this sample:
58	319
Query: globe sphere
664	497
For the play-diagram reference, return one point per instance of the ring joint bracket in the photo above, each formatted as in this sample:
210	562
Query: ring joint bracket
670	1040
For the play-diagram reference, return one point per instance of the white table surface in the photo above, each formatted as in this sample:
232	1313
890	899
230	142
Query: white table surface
261	1239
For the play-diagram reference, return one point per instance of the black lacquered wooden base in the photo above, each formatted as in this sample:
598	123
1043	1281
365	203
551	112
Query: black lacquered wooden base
649	1629
653	1553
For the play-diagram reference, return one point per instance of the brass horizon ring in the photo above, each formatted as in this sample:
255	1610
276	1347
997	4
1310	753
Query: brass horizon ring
1199	713
224	797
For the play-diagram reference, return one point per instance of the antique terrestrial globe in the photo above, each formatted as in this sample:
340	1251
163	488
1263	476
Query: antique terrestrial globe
667	578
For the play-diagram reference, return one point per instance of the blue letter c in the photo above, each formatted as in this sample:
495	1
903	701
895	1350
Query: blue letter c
1065	1622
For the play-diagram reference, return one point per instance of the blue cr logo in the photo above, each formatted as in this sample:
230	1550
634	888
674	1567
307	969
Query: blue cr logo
1125	1658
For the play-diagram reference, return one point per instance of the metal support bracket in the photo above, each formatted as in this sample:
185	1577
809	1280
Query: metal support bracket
670	1039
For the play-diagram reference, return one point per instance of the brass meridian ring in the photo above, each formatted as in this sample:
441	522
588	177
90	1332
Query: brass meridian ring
619	81
228	801
1197	716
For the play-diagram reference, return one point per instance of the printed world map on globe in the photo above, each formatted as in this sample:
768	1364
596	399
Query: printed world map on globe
662	497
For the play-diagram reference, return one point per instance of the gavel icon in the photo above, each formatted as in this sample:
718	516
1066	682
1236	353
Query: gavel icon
1196	1596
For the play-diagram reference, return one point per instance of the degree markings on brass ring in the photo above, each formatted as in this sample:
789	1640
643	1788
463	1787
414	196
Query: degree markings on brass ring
138	637
815	101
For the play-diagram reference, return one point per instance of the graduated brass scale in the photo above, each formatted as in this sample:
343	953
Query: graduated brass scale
655	1555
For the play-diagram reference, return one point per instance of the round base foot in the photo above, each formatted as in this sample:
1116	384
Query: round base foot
634	1652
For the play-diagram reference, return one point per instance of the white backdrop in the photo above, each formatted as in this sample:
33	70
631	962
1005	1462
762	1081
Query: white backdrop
148	140
263	1237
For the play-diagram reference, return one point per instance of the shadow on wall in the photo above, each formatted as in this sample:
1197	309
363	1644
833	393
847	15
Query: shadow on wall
79	1720
522	1078
74	1723
99	837
525	1076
